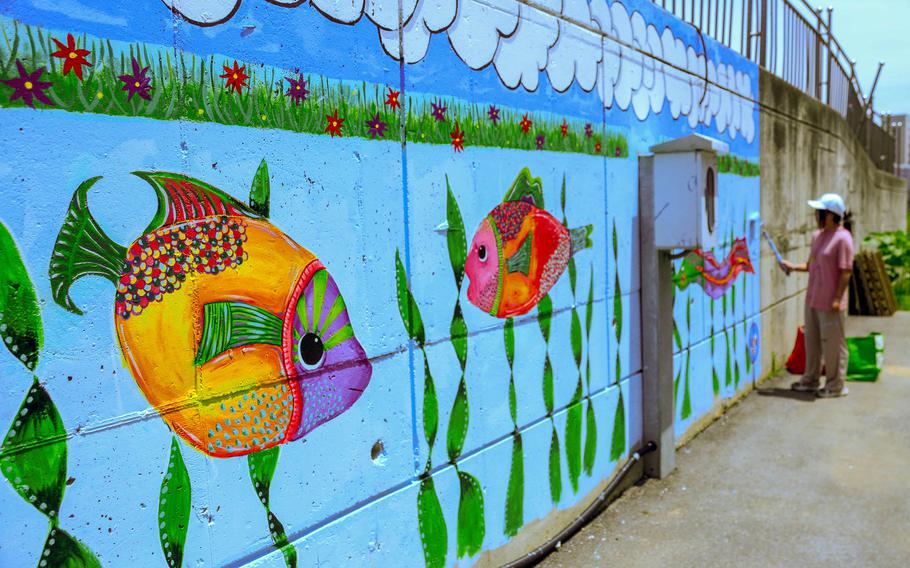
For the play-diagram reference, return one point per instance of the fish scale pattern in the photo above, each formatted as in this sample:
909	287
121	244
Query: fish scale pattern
158	263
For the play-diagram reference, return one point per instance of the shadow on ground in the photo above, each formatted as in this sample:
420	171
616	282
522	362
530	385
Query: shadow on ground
777	482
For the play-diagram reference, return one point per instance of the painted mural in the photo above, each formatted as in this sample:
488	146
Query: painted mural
197	155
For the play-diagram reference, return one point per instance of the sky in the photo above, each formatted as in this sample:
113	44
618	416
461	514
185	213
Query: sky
877	30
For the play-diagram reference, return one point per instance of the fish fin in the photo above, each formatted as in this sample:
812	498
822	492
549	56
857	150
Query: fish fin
82	248
226	325
520	261
182	198
260	190
526	188
581	238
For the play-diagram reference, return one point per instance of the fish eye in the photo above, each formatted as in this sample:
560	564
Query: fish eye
482	253
312	351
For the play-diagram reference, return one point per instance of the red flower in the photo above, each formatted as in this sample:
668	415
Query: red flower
333	124
391	98
236	77
564	128
525	123
597	146
73	59
457	138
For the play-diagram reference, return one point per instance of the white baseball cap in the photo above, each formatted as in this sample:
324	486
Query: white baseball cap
829	202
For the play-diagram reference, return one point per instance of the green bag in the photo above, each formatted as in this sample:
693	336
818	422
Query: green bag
867	357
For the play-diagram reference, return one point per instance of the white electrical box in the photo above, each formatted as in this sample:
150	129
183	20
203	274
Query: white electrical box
685	192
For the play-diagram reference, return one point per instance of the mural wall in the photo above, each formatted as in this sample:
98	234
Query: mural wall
291	283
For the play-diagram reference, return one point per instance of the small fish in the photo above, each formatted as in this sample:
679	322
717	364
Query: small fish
519	251
715	277
236	334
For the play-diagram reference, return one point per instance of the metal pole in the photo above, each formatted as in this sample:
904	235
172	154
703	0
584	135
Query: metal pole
763	43
657	332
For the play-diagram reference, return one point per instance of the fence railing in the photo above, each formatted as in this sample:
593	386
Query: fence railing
794	42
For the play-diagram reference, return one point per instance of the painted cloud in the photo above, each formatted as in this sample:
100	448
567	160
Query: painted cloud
630	63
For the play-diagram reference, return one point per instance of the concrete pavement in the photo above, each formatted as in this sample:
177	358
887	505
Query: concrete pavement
782	479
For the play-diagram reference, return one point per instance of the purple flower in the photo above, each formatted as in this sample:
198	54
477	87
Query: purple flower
439	111
297	92
493	113
28	87
540	141
588	130
137	83
377	127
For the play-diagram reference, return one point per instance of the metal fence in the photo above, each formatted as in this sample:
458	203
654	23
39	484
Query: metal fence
794	42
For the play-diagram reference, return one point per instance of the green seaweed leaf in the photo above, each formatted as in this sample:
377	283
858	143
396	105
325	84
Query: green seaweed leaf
20	315
260	190
407	306
576	337
548	384
471	523
262	469
677	339
617	311
455	236
64	551
615	242
618	444
280	540
430	405
589	309
174	507
544	315
33	457
676	386
573	275
728	376
516	489
687	399
573	443
513	400
590	439
715	380
508	333
555	469
458	422
618	367
433	534
459	333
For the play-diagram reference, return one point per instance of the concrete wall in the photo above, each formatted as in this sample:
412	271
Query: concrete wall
808	150
182	381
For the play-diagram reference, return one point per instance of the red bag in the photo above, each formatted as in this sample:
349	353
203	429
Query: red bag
796	363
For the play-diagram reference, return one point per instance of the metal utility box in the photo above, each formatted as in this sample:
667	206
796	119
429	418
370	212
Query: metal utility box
685	192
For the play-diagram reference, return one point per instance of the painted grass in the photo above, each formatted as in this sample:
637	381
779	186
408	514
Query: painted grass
186	86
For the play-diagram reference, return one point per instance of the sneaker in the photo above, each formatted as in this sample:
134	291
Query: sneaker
825	393
801	386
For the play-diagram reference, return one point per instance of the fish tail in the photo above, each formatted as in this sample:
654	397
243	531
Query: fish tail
581	238
82	248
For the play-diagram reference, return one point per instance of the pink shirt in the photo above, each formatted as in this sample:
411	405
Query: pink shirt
832	252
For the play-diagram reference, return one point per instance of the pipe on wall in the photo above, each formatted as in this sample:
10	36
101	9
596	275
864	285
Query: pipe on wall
588	515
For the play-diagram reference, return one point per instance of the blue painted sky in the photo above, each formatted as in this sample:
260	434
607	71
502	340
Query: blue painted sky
303	38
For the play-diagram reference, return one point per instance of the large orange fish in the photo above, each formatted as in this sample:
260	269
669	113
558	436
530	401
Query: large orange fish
236	334
519	251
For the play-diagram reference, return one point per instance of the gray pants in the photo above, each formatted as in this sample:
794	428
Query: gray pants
825	333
